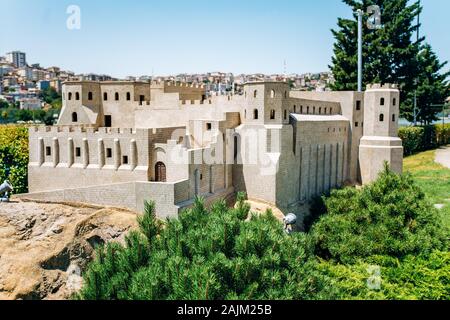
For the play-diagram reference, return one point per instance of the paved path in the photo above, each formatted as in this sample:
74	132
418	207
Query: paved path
443	156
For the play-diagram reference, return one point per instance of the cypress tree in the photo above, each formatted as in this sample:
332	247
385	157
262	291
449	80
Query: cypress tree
390	55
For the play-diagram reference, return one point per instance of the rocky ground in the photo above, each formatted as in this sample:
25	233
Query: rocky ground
44	248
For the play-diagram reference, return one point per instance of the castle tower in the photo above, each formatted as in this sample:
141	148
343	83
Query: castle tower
380	142
267	103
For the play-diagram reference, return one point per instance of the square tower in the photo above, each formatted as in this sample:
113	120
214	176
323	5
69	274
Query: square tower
266	103
380	142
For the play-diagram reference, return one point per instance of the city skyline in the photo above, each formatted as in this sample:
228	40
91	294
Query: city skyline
154	39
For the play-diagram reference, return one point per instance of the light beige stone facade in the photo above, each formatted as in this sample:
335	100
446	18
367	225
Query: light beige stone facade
121	143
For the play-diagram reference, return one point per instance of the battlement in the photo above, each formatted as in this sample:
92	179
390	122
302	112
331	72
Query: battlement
215	99
54	130
178	84
99	132
157	83
382	86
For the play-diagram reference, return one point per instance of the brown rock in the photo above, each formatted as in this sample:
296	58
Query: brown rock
44	247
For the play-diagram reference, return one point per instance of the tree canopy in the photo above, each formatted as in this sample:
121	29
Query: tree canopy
391	55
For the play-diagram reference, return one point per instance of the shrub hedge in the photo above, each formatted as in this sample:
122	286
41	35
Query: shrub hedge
14	156
417	139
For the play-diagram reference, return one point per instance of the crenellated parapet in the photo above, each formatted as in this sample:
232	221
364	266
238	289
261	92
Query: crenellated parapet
376	86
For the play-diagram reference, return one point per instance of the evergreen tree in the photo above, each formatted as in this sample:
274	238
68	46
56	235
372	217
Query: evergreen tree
389	217
220	253
432	87
224	253
389	55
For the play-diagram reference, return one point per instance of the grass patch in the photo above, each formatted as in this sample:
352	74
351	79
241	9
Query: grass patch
433	178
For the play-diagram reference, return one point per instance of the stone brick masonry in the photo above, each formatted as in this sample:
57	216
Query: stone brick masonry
121	143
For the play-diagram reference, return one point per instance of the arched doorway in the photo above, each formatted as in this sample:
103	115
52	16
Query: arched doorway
160	172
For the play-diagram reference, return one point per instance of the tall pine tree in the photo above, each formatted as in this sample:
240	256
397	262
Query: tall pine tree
390	56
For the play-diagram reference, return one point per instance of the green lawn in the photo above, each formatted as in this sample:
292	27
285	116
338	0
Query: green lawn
433	178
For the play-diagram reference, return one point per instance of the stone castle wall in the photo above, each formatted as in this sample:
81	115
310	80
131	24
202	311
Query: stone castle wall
282	147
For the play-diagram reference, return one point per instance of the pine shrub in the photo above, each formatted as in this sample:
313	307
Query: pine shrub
388	217
220	253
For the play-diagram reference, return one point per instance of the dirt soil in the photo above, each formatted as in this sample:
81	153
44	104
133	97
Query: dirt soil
45	247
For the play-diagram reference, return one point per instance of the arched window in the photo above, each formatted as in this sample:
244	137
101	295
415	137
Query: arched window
307	110
116	96
331	110
285	114
394	102
74	117
285	95
314	110
295	108
325	111
255	114
77	96
90	96
301	109
381	117
70	95
245	114
320	110
382	102
128	96
272	114
255	93
105	96
272	94
393	118
160	172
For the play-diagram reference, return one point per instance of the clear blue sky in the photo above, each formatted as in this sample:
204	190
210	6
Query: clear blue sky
134	37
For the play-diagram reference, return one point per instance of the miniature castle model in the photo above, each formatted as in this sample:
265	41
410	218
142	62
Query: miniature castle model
121	143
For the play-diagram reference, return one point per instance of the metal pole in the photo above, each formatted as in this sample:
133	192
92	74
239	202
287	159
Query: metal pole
360	62
416	81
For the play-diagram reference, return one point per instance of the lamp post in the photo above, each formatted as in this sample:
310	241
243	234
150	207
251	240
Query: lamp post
416	82
360	62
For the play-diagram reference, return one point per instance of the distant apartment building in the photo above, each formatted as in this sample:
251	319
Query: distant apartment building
56	84
30	104
17	58
5	69
43	85
26	73
9	81
38	74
